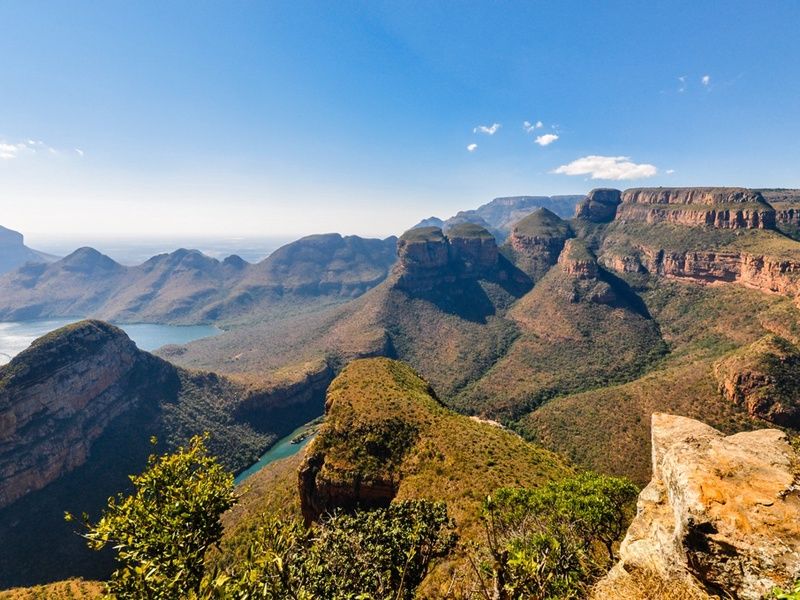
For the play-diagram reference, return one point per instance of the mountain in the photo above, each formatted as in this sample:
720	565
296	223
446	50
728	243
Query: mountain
14	253
417	449
188	287
500	215
77	409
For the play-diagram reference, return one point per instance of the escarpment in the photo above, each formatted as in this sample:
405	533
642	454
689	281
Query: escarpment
57	398
720	514
599	205
724	208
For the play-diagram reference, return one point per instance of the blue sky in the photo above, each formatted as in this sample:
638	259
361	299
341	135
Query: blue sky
264	118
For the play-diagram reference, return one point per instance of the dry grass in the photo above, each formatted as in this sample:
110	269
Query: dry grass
72	589
646	584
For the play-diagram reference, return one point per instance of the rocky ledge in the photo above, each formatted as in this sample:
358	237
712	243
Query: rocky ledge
57	398
724	208
599	206
721	514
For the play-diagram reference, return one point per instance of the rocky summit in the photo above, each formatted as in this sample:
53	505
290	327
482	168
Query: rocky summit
721	513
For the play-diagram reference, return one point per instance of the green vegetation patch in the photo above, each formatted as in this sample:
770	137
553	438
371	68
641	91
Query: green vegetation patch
423	234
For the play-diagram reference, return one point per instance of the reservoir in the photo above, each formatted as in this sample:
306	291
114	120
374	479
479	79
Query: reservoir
16	336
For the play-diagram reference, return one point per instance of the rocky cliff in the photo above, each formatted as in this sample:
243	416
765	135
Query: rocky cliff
724	208
721	514
599	206
537	240
57	398
14	253
764	377
787	209
428	257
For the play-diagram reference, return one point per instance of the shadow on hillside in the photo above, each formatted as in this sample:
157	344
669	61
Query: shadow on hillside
628	298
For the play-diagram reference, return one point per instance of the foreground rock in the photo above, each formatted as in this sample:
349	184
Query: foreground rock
721	514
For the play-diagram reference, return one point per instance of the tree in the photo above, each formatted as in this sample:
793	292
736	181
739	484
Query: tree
381	554
161	531
543	543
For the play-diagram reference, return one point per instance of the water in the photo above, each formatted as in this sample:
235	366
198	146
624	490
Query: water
17	336
283	448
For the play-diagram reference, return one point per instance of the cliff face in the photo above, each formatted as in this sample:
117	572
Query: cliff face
58	396
537	240
764	377
723	208
787	209
599	206
14	253
769	274
720	513
426	257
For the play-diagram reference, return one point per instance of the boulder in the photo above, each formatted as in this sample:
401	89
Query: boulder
721	513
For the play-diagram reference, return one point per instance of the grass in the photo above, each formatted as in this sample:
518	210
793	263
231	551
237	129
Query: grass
469	230
647	584
423	234
73	589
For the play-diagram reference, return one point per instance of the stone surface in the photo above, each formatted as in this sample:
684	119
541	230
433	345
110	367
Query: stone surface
599	206
724	208
720	513
537	240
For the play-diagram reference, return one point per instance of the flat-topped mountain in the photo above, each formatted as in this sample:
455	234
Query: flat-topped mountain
14	253
500	215
186	286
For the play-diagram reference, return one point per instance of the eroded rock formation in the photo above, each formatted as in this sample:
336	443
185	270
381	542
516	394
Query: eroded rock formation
724	208
764	377
720	513
537	240
599	206
58	396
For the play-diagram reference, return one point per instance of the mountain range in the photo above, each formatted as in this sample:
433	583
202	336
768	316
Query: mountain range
476	359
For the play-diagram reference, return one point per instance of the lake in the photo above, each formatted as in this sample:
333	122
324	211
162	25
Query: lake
16	336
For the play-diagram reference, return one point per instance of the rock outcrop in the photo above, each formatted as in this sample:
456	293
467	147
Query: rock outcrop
576	259
720	514
428	257
764	377
58	396
537	240
723	208
599	206
787	209
769	274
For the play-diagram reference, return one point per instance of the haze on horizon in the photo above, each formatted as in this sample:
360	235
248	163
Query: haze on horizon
155	119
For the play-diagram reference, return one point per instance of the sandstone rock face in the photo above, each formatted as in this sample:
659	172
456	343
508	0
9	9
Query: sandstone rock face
724	208
58	396
428	257
599	206
537	240
765	273
764	377
787	209
577	260
720	513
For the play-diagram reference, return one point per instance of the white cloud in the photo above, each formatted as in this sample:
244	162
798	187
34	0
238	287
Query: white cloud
607	167
682	86
705	80
79	152
546	139
10	150
472	147
531	127
670	171
487	129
